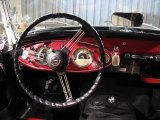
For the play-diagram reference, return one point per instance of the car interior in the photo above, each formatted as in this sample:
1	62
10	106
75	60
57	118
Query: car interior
79	60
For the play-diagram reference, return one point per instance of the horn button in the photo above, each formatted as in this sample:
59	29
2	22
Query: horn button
57	60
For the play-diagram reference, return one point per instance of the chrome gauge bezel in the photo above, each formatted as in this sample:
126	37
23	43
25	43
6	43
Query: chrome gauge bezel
25	54
40	50
90	53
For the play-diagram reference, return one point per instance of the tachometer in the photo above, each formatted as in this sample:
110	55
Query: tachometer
40	55
82	57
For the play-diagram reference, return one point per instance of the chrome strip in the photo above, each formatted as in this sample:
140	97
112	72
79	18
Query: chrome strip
7	23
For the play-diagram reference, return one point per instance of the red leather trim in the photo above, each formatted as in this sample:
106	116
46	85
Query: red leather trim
151	80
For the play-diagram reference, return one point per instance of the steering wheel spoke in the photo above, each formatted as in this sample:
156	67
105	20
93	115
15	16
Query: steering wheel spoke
74	40
65	85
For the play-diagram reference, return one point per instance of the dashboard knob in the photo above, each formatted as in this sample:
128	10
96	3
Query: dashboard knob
127	56
94	64
111	99
157	57
115	60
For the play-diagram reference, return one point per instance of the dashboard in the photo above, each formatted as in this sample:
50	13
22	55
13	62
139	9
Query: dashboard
123	54
84	56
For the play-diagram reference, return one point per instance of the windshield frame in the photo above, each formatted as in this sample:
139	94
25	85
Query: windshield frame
8	25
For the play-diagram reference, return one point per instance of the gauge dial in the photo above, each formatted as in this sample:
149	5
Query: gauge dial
25	54
82	57
40	55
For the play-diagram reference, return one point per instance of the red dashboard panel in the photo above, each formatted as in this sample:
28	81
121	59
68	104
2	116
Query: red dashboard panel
31	62
133	45
125	45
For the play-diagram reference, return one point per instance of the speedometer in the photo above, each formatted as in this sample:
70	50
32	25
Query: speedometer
82	57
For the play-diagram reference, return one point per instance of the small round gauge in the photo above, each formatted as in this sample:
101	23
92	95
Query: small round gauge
40	55
25	54
107	58
82	57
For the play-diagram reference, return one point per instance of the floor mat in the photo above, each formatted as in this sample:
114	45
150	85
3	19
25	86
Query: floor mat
98	108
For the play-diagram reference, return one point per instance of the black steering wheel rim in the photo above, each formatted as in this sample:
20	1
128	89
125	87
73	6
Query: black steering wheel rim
17	66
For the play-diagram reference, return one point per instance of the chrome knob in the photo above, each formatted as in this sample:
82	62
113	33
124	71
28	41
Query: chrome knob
111	99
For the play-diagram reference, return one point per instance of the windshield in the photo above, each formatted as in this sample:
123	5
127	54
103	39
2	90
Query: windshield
95	12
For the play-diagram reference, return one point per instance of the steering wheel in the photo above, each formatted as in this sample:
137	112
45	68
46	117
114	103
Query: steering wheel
58	61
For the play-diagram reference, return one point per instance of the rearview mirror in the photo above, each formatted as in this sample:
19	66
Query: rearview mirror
127	19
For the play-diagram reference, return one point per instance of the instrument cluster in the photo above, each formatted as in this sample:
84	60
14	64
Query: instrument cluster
84	57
